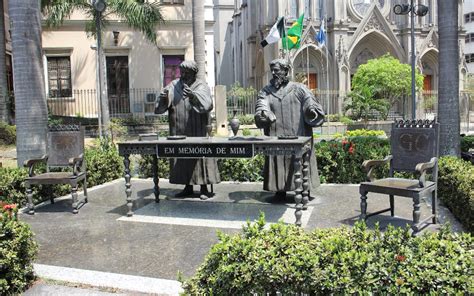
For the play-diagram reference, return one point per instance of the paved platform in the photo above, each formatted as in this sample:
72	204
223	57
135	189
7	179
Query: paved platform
100	246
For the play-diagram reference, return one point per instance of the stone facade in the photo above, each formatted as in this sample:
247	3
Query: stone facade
357	30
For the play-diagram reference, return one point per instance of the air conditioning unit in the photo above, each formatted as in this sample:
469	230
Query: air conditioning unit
150	98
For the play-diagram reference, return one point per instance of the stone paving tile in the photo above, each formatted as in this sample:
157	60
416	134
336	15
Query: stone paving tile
100	238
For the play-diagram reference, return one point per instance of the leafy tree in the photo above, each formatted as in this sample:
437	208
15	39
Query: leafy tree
363	102
138	14
388	78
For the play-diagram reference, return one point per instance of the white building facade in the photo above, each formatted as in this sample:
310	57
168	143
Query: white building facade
469	39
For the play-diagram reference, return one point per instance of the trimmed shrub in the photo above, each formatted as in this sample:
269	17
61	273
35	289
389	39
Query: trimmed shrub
146	169
456	189
246	119
340	161
285	259
243	170
240	169
104	164
467	142
12	187
17	252
365	133
7	134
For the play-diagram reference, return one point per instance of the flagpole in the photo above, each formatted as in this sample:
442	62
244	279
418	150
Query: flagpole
307	65
327	74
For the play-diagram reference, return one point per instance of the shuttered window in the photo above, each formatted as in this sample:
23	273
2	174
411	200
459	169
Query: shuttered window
59	77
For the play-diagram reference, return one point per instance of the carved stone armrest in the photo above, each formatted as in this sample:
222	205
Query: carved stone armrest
77	164
30	164
369	165
421	168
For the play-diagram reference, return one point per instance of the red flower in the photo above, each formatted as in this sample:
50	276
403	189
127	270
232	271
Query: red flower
400	258
344	142
351	150
8	207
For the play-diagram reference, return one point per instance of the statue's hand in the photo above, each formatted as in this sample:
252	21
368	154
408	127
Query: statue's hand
164	94
263	117
164	97
187	91
314	114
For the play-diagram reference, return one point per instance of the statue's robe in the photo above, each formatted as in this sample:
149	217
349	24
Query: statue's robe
290	107
189	117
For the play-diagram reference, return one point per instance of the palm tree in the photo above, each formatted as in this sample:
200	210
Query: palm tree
30	95
140	15
198	38
448	91
4	116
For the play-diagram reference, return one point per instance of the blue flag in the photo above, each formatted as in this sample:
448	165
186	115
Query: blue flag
321	35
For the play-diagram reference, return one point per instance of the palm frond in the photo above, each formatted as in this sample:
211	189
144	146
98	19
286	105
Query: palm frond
55	11
143	16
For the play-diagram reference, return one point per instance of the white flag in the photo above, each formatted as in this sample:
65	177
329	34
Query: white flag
276	32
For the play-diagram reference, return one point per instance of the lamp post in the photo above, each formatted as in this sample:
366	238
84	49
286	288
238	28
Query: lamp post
99	6
419	10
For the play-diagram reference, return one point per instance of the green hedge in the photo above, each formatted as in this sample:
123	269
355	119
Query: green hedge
340	161
12	187
243	170
145	168
103	165
339	261
7	134
17	252
456	189
467	142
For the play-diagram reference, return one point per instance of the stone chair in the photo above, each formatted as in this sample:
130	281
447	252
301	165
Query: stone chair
65	148
414	148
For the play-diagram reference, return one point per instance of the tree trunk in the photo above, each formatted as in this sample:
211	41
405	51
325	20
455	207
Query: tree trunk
199	38
448	91
104	100
4	114
30	96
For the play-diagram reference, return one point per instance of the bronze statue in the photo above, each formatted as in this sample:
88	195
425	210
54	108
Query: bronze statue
286	108
188	102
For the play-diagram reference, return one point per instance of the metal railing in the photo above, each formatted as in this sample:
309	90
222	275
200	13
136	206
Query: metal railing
138	104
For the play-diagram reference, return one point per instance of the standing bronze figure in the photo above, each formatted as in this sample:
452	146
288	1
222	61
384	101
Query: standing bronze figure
188	102
286	108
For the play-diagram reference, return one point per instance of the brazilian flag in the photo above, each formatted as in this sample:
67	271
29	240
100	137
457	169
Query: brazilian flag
293	35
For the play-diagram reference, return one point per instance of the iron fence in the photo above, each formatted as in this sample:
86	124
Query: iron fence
137	105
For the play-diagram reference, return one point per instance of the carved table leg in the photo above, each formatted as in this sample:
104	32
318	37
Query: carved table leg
416	214
434	206
306	180
156	180
75	203
29	195
392	205
128	190
298	190
363	205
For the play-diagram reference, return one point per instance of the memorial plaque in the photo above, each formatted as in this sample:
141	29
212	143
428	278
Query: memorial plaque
209	150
